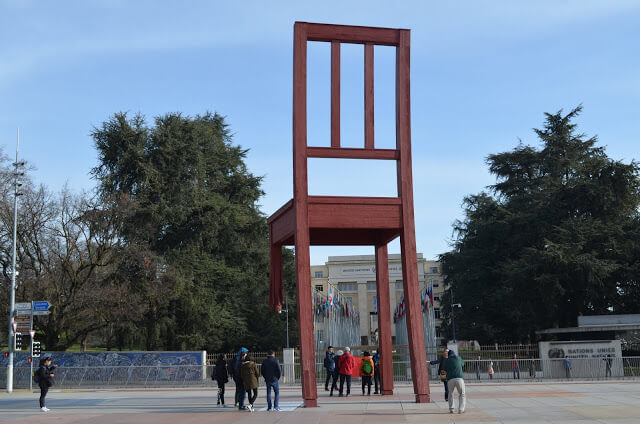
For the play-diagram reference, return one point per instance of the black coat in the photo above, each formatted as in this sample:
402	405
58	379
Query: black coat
270	369
45	379
221	371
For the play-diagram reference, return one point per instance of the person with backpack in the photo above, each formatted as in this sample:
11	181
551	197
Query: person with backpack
330	366
366	372
346	365
220	374
270	370
250	374
44	377
376	373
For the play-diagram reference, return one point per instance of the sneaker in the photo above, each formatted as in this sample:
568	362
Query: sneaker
331	394
269	409
451	411
277	408
340	395
237	405
44	409
461	411
251	408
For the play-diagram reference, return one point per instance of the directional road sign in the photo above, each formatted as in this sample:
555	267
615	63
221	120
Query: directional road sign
41	312
23	306
41	305
24	323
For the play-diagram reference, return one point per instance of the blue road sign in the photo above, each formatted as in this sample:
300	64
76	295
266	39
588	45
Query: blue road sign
42	305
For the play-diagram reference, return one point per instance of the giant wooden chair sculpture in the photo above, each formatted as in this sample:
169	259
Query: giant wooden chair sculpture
323	220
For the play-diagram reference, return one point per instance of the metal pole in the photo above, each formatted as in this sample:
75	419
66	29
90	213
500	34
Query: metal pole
12	295
453	320
286	305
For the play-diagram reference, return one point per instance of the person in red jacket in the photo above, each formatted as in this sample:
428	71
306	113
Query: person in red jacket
346	365
366	372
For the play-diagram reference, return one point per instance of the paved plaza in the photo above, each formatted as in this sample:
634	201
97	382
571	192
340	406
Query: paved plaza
574	402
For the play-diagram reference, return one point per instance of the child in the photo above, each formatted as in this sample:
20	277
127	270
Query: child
366	372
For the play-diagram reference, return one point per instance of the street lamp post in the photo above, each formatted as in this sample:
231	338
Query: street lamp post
12	295
453	319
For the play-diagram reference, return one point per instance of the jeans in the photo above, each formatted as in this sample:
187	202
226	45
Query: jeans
240	393
376	379
276	394
344	377
253	394
516	373
457	384
446	390
220	393
43	394
366	382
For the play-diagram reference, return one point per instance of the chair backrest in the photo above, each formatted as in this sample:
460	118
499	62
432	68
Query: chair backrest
369	37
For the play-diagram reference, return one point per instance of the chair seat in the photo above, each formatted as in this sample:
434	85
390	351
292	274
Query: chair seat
341	220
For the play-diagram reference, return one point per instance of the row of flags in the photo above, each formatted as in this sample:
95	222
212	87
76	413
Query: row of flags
334	303
426	301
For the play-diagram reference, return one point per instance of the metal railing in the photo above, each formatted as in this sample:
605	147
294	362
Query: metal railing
192	375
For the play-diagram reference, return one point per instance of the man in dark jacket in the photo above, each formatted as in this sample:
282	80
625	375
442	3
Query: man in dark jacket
376	373
236	371
270	370
330	366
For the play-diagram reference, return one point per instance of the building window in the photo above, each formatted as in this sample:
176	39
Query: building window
319	274
433	270
436	298
398	285
436	313
319	287
371	286
374	304
349	299
436	284
347	287
438	332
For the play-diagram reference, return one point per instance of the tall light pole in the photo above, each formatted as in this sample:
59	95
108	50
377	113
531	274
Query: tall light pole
453	319
12	295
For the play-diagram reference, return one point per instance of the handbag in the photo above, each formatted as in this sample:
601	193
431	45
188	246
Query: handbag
443	375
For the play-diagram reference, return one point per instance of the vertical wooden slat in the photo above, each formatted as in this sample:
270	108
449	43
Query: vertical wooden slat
415	333
335	94
300	195
384	319
368	96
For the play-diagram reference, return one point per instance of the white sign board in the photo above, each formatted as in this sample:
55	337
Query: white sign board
587	358
23	306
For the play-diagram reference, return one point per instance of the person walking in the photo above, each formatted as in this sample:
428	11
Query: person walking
455	381
336	371
490	371
567	366
478	367
367	371
330	367
607	364
515	366
271	371
442	373
250	374
346	365
44	377
220	374
237	377
376	372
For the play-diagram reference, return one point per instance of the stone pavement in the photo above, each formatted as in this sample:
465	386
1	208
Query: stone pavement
566	403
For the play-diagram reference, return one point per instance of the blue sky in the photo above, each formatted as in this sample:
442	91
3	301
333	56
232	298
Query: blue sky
483	73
